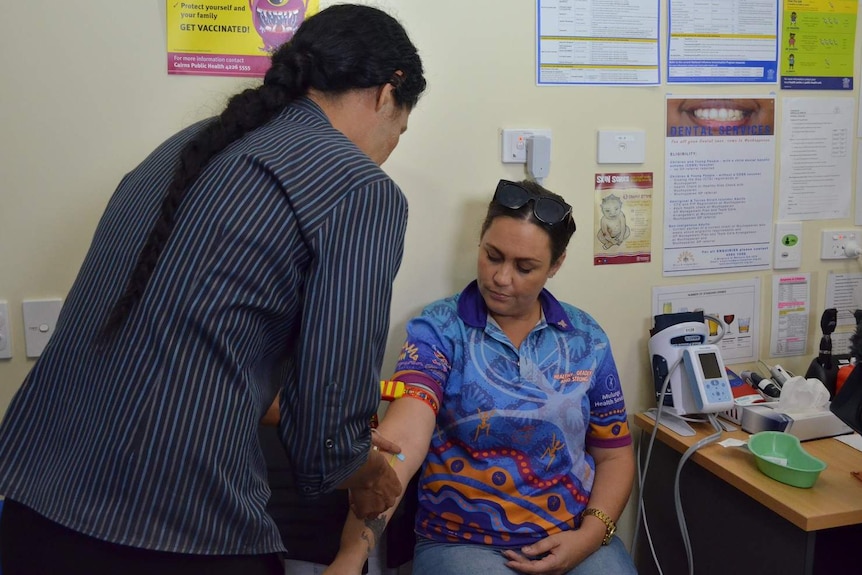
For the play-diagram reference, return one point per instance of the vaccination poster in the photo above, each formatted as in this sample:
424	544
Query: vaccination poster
622	227
722	41
817	47
719	184
230	37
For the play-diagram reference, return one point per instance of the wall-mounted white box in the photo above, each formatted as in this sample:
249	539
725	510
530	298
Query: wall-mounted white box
835	242
515	144
621	147
5	342
787	249
40	320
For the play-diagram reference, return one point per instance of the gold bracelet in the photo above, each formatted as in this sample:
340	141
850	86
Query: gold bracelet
610	526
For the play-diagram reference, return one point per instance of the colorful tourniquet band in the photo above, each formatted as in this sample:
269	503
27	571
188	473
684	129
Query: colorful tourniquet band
392	390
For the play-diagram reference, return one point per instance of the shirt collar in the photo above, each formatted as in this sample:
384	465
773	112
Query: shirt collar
309	106
473	311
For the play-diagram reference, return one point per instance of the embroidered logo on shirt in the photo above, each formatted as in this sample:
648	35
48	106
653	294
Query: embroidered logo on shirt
580	376
409	350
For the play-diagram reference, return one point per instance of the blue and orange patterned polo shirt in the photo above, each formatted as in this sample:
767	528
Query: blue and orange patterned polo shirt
507	464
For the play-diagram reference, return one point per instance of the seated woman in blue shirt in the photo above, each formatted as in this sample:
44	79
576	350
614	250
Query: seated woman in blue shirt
514	412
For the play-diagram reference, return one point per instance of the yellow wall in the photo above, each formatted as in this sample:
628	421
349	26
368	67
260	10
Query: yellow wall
85	97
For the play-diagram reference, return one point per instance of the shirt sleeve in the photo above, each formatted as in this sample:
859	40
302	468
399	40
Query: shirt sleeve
608	420
325	415
426	356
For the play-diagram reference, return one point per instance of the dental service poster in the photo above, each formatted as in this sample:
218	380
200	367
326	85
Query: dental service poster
623	224
230	37
719	184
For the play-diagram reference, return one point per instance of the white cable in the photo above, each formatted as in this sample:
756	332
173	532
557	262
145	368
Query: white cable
676	497
642	477
642	512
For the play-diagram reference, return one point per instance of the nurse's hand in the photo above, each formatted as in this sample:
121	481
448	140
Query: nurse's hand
380	443
374	487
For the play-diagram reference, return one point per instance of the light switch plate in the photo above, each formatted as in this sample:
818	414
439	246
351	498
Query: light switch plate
787	249
40	321
621	147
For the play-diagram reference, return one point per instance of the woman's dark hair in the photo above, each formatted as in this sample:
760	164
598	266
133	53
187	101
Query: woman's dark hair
342	48
559	233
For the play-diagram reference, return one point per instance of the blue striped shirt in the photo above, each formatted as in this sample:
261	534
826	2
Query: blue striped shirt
277	277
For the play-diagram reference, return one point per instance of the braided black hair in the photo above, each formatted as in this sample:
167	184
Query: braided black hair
342	48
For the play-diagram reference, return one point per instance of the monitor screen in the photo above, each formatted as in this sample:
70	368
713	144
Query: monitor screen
709	364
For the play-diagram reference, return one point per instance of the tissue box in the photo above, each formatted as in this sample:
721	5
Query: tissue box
743	394
805	426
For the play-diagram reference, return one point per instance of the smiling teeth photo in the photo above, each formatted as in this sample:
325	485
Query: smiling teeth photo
719	114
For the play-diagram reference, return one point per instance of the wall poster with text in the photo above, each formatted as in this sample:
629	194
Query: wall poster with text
719	184
230	37
622	221
818	44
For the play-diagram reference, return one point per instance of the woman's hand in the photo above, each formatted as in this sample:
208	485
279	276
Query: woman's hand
556	554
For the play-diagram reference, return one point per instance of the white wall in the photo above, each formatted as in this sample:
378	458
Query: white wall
85	97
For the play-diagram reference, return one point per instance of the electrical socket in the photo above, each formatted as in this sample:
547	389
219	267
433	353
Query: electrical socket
834	242
5	342
515	144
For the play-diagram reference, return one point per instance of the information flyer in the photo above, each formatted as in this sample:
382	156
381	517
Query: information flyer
622	221
719	184
230	37
790	310
817	45
816	158
597	42
733	307
722	41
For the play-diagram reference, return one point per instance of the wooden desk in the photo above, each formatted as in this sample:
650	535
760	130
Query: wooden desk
740	520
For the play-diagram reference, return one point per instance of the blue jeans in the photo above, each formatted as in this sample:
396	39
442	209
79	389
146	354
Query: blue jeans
433	558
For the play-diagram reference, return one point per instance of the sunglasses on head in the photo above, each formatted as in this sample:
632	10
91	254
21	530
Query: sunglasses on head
547	210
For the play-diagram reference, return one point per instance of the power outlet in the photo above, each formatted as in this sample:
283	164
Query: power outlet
834	244
515	144
5	342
